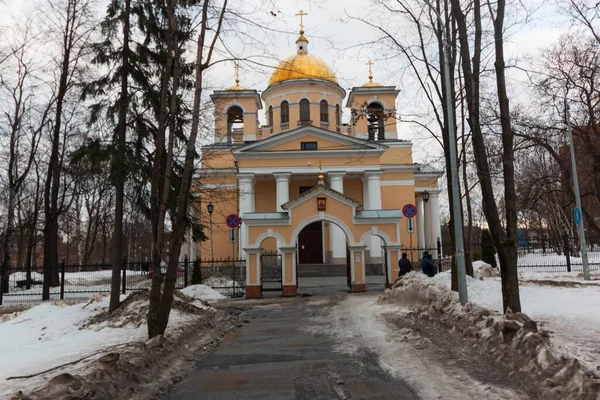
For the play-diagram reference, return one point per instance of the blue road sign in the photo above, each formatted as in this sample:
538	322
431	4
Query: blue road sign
409	210
577	215
233	221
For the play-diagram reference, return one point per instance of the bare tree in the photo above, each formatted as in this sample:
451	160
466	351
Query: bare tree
70	22
160	305
24	121
504	240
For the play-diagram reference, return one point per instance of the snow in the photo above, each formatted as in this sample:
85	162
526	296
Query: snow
571	314
49	334
358	323
202	292
54	333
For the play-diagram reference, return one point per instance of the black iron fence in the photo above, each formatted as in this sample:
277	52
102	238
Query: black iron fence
544	256
79	282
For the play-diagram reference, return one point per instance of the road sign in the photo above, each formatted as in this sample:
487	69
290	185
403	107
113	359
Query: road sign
577	215
409	210
233	235
233	221
410	225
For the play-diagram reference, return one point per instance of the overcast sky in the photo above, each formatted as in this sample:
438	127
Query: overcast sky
339	39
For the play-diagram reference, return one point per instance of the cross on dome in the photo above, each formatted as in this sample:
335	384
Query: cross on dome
301	14
237	86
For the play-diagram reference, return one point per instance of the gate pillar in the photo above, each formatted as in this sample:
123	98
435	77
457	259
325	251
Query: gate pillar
357	269
288	264
392	255
253	281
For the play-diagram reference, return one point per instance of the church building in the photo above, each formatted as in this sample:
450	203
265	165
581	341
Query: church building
314	190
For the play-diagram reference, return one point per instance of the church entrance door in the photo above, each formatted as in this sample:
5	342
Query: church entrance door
310	244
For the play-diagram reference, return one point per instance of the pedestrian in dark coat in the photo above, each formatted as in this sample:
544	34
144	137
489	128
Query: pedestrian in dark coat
404	264
427	264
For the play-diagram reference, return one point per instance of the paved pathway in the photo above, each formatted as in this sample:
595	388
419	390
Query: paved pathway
281	353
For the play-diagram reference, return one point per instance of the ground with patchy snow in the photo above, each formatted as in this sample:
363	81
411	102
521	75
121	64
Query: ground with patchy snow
57	333
202	292
522	342
562	303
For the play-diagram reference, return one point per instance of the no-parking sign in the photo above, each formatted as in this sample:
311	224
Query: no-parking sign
409	210
233	221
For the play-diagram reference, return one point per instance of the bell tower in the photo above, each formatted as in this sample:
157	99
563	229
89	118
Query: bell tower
373	108
236	113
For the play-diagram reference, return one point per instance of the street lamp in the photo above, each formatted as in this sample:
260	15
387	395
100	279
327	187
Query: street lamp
456	210
425	197
210	207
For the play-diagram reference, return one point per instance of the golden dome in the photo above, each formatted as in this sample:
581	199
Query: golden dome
302	66
372	84
236	87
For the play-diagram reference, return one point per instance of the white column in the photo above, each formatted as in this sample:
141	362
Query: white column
336	234
374	202
246	195
365	186
420	223
434	216
282	182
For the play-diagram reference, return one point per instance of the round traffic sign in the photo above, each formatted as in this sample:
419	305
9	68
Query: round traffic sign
233	221
409	210
577	215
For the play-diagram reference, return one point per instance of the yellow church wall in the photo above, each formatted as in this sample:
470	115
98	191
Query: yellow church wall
432	183
225	202
296	184
218	159
322	144
265	196
397	155
353	189
388	176
303	161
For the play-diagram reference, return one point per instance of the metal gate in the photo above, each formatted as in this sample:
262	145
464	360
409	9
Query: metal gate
348	267
271	272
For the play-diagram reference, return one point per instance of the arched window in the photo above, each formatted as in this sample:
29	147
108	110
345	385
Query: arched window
270	116
304	112
285	112
324	111
375	124
235	124
338	117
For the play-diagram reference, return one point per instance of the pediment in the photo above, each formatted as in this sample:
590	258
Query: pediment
327	141
323	190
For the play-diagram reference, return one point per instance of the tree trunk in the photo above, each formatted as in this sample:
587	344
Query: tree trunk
119	172
508	250
157	210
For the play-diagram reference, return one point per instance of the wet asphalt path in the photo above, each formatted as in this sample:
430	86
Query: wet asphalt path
277	354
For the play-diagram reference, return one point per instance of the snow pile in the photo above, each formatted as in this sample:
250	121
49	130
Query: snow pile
202	292
484	270
513	338
73	336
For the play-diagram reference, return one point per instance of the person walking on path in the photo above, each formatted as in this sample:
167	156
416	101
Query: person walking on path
404	264
427	264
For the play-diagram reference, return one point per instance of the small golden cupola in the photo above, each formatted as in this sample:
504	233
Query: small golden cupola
371	83
237	79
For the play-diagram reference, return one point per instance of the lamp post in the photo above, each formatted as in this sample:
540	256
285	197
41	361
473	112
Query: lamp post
579	218
459	251
210	208
425	196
